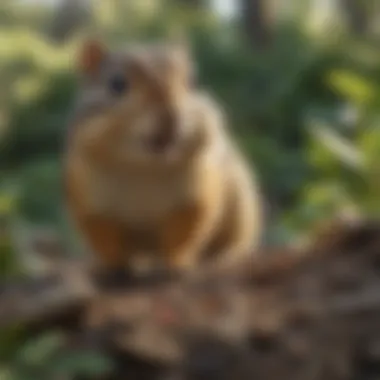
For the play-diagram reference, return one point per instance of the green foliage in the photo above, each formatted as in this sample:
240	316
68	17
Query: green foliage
356	88
36	179
49	356
9	263
345	163
265	96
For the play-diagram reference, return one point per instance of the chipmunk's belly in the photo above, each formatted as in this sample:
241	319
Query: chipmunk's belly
142	202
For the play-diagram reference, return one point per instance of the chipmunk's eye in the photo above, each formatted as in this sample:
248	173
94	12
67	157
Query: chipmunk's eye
118	85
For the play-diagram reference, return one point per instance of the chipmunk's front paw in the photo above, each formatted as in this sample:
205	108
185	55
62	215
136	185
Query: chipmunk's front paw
183	265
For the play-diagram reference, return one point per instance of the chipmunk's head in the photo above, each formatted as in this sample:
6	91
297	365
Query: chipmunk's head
145	94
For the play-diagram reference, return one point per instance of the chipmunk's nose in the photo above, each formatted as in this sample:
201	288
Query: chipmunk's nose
165	133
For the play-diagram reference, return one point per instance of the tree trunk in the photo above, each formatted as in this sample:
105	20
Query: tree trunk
356	15
256	22
194	3
70	16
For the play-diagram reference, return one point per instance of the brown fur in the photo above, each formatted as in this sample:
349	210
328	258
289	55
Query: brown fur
197	197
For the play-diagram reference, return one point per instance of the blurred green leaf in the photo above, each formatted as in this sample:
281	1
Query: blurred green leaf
338	147
82	363
352	86
40	191
6	374
40	350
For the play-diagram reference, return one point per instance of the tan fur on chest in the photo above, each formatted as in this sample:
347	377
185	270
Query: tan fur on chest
138	199
141	199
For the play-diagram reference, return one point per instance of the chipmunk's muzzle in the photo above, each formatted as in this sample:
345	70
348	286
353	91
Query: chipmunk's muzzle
165	134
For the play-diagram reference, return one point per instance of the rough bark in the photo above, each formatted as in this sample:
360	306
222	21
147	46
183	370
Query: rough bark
310	314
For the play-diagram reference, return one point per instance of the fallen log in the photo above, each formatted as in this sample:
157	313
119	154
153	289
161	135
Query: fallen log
310	314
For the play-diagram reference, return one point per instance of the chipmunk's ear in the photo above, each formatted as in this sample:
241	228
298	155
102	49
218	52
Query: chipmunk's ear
182	49
91	55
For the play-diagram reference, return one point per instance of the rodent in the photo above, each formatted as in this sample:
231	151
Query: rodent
150	163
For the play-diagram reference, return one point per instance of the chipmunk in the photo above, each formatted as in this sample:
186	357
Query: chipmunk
151	165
